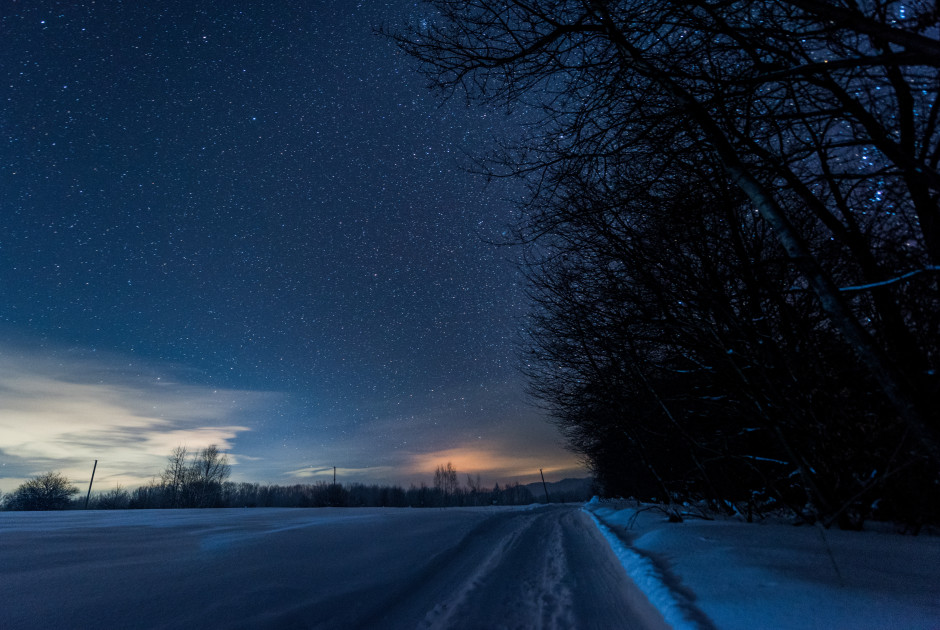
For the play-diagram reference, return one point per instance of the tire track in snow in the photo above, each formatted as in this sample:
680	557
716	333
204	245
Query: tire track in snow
447	613
546	567
550	570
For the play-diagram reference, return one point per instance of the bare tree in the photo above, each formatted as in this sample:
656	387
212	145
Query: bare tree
474	484
115	499
445	480
207	472
194	481
49	491
826	128
175	477
803	294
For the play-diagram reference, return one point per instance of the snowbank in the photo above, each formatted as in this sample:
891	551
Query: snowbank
728	574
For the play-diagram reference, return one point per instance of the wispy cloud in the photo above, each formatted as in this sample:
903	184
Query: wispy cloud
367	474
63	410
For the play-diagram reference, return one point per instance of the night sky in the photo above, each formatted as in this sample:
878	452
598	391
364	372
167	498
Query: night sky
249	224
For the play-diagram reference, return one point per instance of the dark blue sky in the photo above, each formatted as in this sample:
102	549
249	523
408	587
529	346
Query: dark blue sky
255	202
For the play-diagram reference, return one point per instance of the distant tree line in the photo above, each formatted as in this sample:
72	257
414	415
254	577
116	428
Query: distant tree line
326	494
732	239
200	481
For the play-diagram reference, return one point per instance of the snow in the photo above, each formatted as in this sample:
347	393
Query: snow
671	603
728	574
495	567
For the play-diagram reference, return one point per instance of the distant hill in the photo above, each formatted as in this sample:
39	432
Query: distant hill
564	491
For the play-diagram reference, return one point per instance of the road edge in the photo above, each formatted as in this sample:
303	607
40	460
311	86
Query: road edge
673	606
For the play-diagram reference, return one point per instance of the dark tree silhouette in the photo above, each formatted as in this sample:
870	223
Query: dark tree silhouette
196	483
445	479
175	478
49	491
732	224
208	471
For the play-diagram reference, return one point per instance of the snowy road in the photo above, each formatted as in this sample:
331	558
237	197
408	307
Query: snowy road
314	568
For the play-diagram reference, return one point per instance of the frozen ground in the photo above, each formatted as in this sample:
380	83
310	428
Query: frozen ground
730	575
547	567
314	568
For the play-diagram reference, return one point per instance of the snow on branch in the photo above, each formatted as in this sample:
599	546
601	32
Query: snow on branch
872	285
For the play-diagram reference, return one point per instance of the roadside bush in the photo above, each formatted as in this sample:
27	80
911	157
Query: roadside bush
50	491
117	499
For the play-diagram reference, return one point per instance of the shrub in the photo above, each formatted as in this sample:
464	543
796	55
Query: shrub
50	491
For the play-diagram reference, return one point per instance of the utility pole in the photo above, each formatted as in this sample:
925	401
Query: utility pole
90	481
544	486
334	475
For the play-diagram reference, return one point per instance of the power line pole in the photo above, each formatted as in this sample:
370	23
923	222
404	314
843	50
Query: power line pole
544	486
90	481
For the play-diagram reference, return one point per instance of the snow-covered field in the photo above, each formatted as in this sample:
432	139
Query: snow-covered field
537	567
314	568
730	575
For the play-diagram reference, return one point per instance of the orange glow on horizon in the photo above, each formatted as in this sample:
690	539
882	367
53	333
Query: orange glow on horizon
491	463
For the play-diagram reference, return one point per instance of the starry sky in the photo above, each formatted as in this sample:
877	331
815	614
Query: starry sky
250	224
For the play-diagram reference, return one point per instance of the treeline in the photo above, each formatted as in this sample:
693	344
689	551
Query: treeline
732	240
319	494
200	481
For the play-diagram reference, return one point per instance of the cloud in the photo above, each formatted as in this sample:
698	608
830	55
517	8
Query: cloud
495	462
488	431
315	473
63	410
